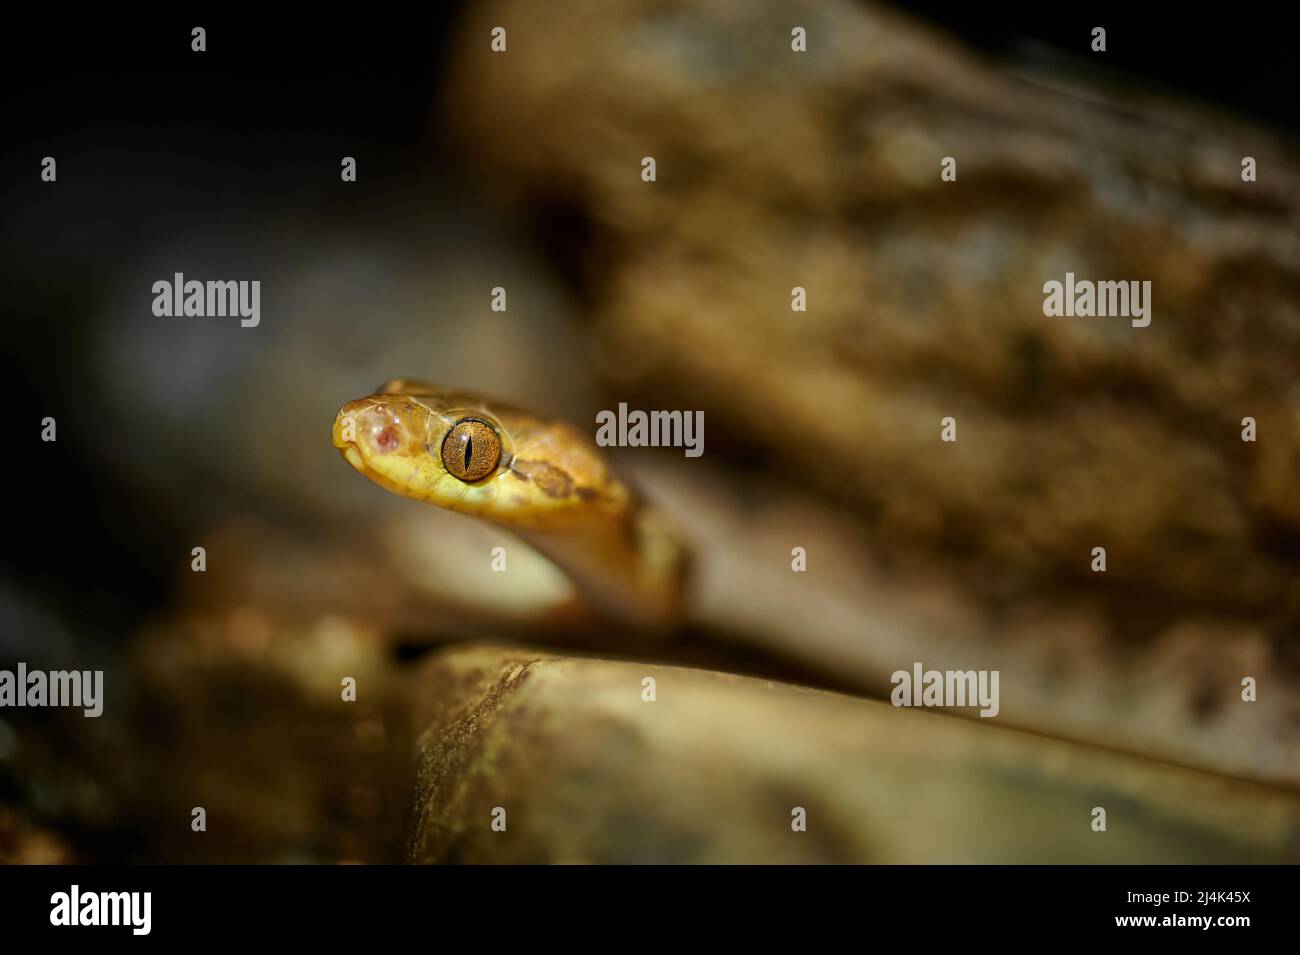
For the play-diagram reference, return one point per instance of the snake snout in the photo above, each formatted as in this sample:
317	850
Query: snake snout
380	432
347	425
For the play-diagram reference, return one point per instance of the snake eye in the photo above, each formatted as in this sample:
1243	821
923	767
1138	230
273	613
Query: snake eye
471	449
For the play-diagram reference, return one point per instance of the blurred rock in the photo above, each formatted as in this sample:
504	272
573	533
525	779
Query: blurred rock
853	618
713	769
778	169
243	714
24	843
821	170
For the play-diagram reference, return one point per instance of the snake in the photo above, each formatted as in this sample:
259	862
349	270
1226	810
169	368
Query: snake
540	478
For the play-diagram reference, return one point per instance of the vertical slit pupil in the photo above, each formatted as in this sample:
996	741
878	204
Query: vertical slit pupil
469	450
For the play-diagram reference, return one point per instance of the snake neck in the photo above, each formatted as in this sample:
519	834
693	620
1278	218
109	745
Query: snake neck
633	572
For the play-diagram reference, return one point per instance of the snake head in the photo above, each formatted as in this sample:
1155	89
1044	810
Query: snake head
457	451
537	476
407	445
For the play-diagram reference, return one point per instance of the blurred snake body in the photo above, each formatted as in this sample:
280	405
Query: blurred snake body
542	479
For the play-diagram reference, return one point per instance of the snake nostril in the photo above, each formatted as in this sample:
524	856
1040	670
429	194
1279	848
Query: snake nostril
388	439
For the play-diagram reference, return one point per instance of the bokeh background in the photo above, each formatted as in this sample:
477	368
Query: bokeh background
774	170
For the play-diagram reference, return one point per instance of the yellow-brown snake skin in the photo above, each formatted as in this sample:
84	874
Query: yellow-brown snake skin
543	479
